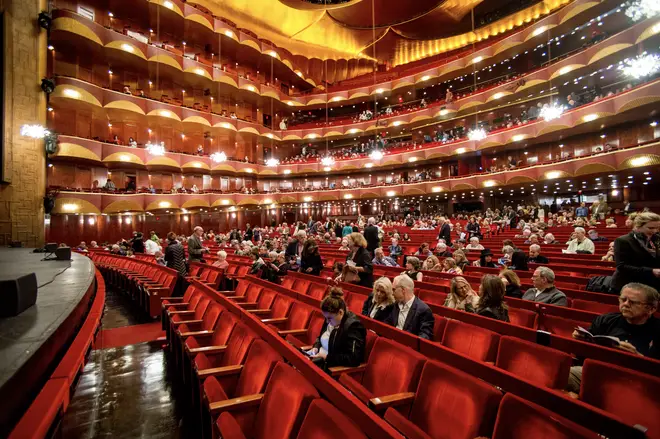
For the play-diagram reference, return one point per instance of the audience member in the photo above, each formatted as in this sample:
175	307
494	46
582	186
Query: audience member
535	256
544	290
381	259
359	260
461	295
511	284
449	266
222	260
413	265
637	254
381	301
196	249
581	244
310	258
410	314
491	303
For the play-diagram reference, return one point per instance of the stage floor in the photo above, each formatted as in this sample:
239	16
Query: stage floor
62	285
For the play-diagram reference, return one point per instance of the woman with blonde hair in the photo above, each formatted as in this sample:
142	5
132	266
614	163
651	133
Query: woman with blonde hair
461	295
380	302
430	262
637	254
449	266
461	259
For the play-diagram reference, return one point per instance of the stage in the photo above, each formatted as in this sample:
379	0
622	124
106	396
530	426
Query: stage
32	343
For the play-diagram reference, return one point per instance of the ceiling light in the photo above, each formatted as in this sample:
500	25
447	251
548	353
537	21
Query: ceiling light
287	171
168	4
460	150
34	131
590	117
127	47
272	162
642	9
477	134
412	159
518	137
551	112
348	196
641	66
640	161
164	204
327	161
391	193
70	207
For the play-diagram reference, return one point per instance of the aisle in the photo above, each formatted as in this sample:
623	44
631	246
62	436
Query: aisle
126	390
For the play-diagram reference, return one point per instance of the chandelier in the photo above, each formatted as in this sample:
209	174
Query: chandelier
34	131
218	157
551	112
641	66
327	161
477	134
272	162
643	9
376	154
155	148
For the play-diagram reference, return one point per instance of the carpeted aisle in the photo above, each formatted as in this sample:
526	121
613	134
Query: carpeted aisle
127	335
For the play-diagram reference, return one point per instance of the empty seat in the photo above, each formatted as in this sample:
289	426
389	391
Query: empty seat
281	411
297	319
522	317
317	291
447	404
354	302
539	364
521	419
475	342
325	421
560	325
629	395
596	307
439	327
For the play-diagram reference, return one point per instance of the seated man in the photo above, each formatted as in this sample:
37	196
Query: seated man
544	290
381	259
581	244
593	235
109	185
535	256
442	251
410	314
634	325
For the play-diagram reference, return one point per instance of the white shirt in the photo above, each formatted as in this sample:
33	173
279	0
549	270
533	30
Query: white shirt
375	309
586	245
404	309
151	247
325	339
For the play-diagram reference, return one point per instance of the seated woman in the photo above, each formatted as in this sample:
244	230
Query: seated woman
310	259
423	251
258	262
491	304
474	244
430	262
461	295
609	256
344	245
406	237
449	266
461	259
343	337
511	284
380	302
222	260
413	265
486	259
518	261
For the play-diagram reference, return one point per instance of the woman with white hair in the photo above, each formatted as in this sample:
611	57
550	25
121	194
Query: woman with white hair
549	238
474	244
222	260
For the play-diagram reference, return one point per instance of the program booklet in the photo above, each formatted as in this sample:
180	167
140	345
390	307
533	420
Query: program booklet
603	340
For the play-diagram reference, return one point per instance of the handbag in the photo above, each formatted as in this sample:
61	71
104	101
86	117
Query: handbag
349	275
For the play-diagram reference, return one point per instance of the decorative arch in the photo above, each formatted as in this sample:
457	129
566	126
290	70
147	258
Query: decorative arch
174	7
463	186
161	204
250	130
123	157
72	205
163	161
370	195
72	150
167	60
120	45
248	201
197	18
197	119
68	91
328	197
67	24
607	51
593	168
223	167
288	199
639	160
551	129
123	206
223	202
413	191
634	103
162	112
195	164
195	202
520	179
125	105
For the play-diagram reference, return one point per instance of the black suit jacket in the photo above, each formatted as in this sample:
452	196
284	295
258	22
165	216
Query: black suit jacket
540	259
362	258
381	314
371	235
420	319
445	233
291	250
634	263
347	342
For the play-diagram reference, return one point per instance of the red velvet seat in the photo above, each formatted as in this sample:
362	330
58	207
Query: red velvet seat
297	320
597	307
325	421
250	295
521	419
218	337
539	364
317	291
354	302
439	327
265	301
300	286
287	282
278	309
240	290
522	317
448	404
560	325
391	368
475	342
232	353
281	409
432	297
629	395
307	337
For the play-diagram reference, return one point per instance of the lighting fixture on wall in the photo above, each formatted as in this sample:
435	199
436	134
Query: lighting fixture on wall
272	162
552	111
327	161
155	148
643	65
642	9
376	154
477	134
34	131
218	157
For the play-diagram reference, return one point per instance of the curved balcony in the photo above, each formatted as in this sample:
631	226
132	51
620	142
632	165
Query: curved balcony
576	120
110	203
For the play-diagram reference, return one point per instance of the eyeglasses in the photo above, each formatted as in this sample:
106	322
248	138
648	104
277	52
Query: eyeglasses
624	299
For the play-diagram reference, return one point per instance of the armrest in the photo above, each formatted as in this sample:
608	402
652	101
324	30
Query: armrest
259	311
292	332
225	292
241	402
183	312
187	322
197	334
338	370
248	305
157	288
236	298
173	299
208	350
176	305
306	348
404	426
384	402
274	321
220	371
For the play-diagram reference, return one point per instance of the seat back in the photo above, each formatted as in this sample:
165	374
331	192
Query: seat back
242	288
477	343
266	299
281	306
317	291
539	364
439	327
300	286
522	317
392	368
211	316
223	329
286	400
253	292
325	421
450	404
560	325
433	297
238	345
201	307
259	364
299	316
287	282
354	302
521	419
597	307
629	395
313	328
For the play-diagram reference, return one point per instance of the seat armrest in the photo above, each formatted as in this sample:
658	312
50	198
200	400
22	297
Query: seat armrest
286	332
225	292
236	298
356	388
306	348
338	370
259	311
177	305
220	371
196	334
382	403
183	312
274	321
404	426
248	305
208	350
187	322
241	402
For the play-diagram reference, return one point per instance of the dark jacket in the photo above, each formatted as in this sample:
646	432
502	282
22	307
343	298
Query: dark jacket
195	248
292	250
362	258
371	235
445	233
347	342
513	291
634	263
137	245
420	319
175	257
312	261
248	235
339	227
540	259
494	313
381	314
551	296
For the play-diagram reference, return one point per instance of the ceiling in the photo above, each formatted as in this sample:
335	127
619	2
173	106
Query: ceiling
392	31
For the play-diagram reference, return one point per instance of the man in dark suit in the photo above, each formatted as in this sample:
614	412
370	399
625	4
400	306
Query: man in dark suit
445	230
535	256
371	235
294	249
637	254
410	314
196	249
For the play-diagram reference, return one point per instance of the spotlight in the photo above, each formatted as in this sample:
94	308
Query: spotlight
47	85
45	20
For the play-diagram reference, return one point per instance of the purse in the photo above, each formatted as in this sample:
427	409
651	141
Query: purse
349	275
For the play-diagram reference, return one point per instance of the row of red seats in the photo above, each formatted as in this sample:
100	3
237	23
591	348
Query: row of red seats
392	371
48	408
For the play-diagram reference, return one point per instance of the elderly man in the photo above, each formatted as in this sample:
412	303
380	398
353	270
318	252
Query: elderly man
196	249
637	330
442	251
445	229
371	235
294	248
593	236
544	290
410	314
581	244
535	256
381	259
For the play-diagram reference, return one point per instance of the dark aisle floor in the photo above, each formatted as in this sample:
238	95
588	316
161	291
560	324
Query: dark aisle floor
129	391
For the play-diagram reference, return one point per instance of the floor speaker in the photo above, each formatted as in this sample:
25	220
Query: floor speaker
17	294
63	253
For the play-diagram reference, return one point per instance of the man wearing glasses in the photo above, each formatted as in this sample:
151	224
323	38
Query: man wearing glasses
634	325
